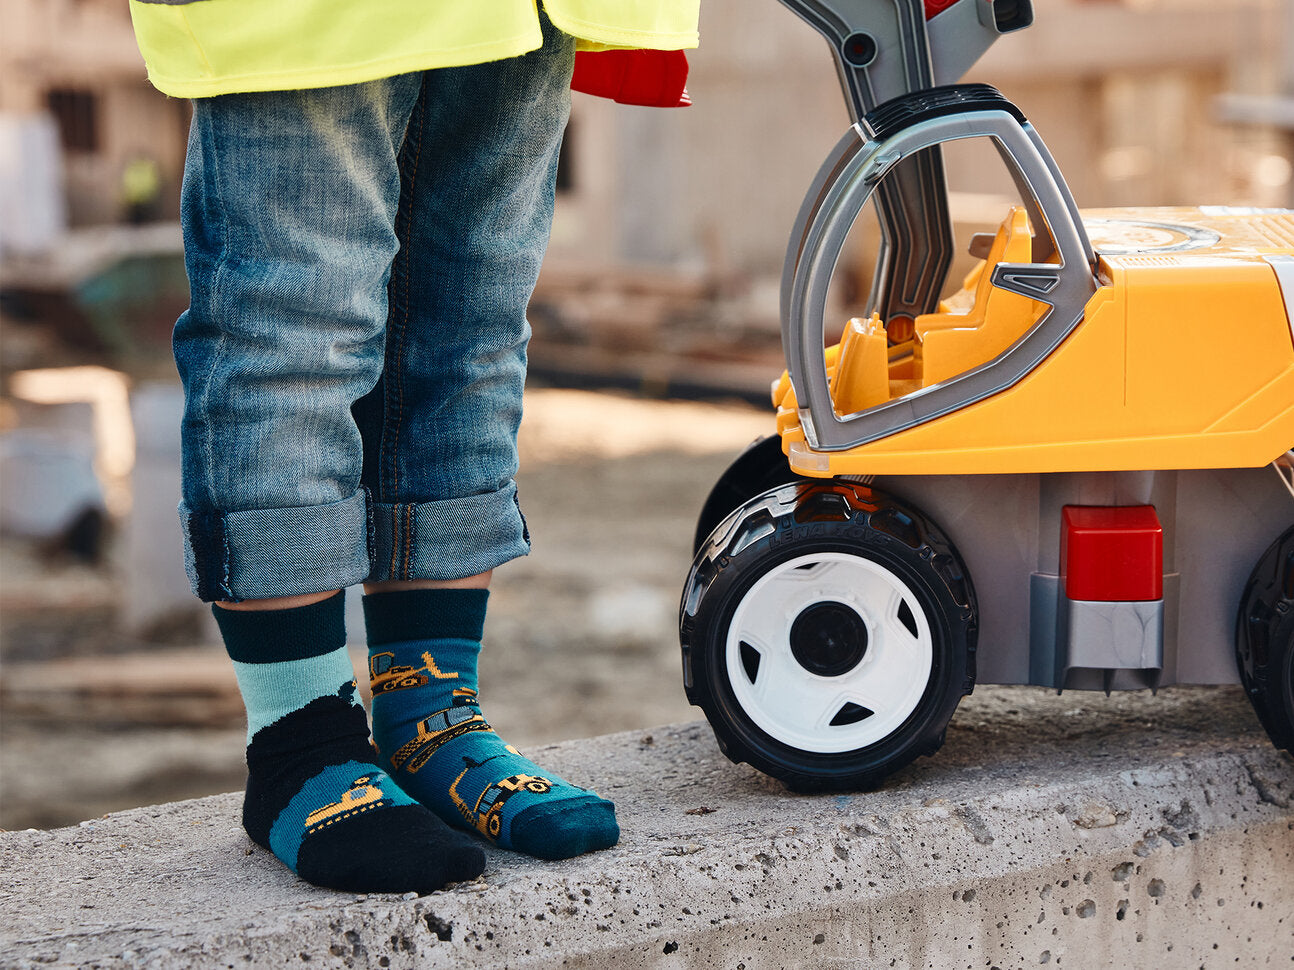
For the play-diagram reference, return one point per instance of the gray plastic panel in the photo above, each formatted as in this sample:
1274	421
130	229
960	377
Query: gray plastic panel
1217	523
1110	636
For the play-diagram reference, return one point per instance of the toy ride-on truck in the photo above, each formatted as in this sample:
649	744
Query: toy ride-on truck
1074	471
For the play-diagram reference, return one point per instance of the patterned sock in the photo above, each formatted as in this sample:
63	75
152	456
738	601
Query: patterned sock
314	796
423	647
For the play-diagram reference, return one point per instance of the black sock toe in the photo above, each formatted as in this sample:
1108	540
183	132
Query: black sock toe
396	850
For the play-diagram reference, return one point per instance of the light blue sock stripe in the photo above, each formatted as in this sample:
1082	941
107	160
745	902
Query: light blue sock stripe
336	793
271	691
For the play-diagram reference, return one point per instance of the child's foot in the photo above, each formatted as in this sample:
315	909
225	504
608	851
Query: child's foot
423	647
314	796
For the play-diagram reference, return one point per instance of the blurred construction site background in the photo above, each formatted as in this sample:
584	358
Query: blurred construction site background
656	336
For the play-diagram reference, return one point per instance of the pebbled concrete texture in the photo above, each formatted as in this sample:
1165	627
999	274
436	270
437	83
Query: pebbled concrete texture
1072	831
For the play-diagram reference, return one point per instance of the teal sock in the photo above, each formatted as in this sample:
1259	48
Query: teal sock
315	797
427	722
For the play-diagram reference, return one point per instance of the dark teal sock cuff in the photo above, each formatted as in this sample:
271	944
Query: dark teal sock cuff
272	636
423	614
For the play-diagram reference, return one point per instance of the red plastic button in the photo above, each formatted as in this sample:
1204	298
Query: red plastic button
1112	553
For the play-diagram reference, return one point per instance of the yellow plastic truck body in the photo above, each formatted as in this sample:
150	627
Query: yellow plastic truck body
1184	358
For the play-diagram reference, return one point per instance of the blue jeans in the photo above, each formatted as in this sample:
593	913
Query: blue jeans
360	259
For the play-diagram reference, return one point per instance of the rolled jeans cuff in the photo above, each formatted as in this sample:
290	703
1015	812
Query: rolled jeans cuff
261	553
447	539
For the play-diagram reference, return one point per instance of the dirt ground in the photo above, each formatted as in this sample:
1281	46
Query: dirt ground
580	640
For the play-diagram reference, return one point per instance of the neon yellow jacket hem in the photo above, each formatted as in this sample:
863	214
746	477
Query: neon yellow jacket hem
203	48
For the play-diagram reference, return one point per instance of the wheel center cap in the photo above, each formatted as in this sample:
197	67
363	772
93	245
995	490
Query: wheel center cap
828	639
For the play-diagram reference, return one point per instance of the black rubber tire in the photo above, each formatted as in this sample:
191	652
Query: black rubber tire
757	469
1265	640
808	518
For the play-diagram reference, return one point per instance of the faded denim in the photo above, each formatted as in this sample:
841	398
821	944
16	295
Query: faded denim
360	259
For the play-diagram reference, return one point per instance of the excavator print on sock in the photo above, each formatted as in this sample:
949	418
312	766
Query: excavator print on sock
385	674
486	813
438	729
362	796
424	646
315	797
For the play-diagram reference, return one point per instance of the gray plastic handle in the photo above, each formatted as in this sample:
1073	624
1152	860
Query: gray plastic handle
848	178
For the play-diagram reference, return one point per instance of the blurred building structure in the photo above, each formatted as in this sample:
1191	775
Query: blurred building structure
71	67
1124	91
671	225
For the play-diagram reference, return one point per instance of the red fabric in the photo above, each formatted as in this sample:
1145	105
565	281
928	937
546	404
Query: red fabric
657	79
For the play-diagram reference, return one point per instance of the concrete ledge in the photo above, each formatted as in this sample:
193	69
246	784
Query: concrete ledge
1078	831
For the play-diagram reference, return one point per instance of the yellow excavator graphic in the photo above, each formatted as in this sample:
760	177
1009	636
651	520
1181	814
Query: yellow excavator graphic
486	815
386	675
360	797
433	731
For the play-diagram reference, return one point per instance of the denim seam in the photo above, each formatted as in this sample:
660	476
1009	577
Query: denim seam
393	416
479	533
226	577
199	573
395	539
411	529
525	526
400	568
202	399
202	532
370	526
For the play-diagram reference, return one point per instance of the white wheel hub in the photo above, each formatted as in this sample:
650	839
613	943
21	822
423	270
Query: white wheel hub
836	685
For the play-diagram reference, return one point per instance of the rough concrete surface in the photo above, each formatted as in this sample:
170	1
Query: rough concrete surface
1081	831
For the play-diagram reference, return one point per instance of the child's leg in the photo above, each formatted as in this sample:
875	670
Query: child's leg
289	202
288	206
478	170
432	736
314	796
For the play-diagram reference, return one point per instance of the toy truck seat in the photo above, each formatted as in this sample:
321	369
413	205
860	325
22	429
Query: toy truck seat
963	334
971	328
